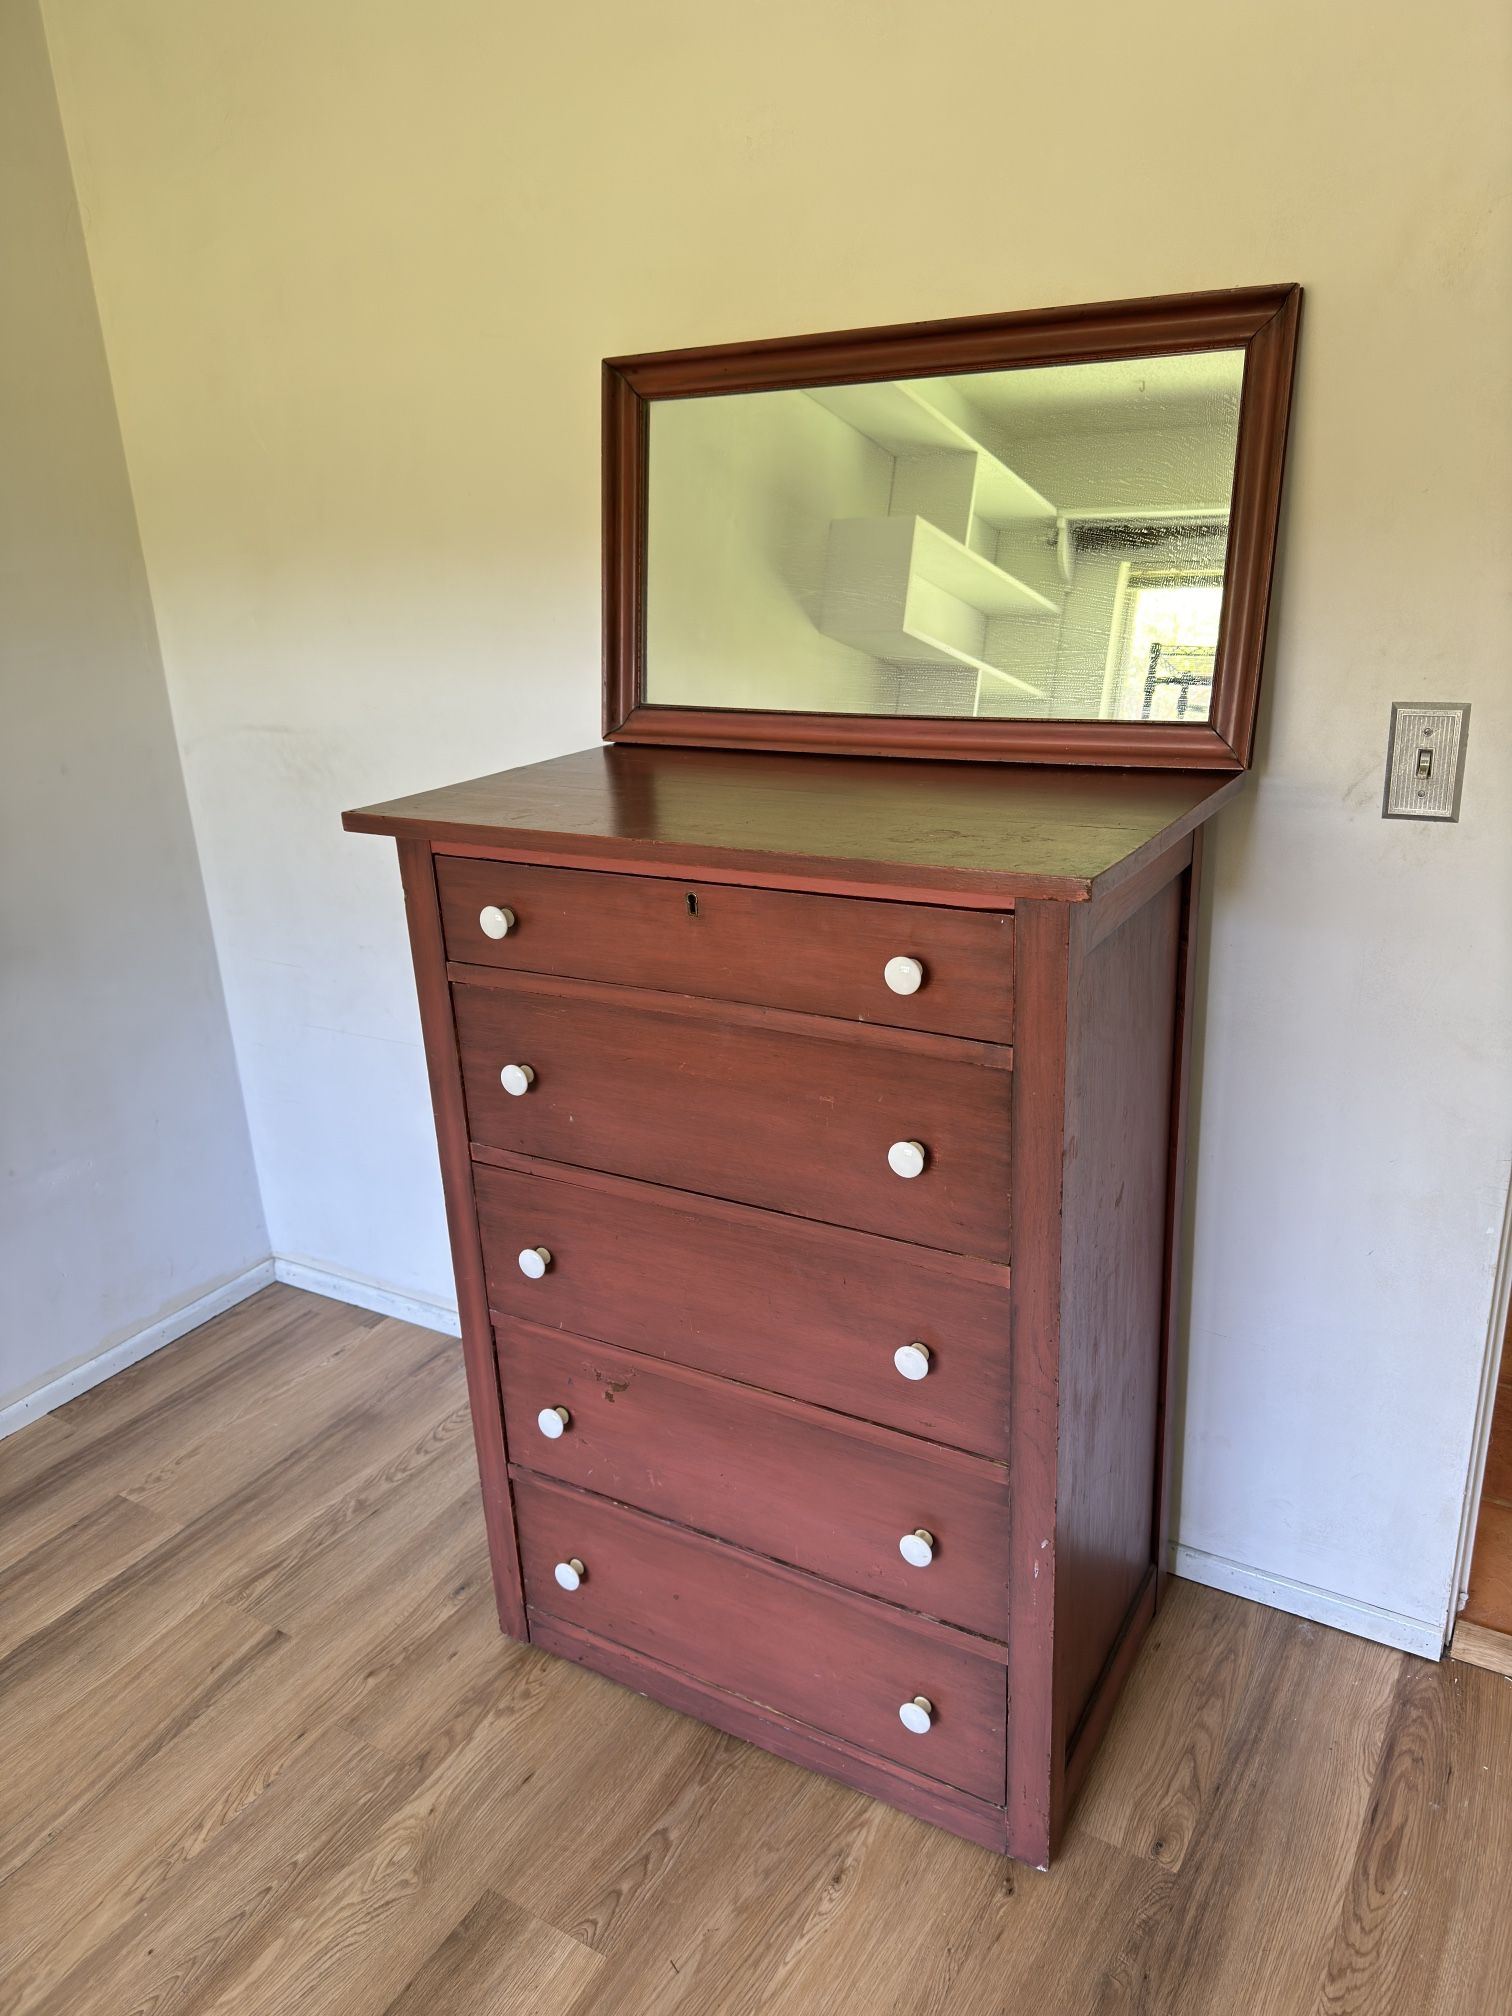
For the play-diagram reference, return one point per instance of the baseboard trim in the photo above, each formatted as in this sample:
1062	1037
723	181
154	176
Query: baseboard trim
1301	1599
365	1294
79	1378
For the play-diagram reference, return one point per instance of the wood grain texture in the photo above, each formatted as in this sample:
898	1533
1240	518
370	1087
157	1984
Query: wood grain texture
1185	1693
747	1103
113	1445
770	947
1475	1645
1498	1481
427	949
963	834
766	1473
1167	1404
1490	1600
1113	1254
1258	1925
87	1554
739	1015
812	1311
783	1641
1281	1820
496	1958
1036	1736
1094	1061
773	1116
727	1709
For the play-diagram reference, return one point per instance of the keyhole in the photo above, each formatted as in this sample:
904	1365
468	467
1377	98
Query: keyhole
692	904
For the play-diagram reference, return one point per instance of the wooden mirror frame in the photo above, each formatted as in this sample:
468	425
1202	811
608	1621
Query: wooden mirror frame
1261	320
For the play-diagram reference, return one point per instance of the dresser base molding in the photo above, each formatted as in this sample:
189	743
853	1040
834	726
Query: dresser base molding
925	1798
1098	1712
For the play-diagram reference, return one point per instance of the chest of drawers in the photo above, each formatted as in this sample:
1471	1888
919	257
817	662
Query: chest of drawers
811	1138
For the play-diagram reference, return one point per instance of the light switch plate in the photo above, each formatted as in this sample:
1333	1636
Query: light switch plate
1425	759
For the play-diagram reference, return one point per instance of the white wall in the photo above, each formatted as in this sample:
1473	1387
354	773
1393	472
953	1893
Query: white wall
127	1192
358	264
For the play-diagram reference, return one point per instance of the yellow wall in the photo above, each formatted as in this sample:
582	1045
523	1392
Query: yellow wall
357	265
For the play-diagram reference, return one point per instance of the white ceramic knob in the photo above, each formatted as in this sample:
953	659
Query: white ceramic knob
570	1575
534	1261
906	1158
916	1715
912	1360
917	1548
903	975
494	922
517	1079
552	1422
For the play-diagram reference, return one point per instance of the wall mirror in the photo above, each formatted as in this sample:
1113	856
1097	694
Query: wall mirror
1039	536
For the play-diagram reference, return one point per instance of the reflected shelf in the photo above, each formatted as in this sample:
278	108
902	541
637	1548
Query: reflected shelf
899	417
903	591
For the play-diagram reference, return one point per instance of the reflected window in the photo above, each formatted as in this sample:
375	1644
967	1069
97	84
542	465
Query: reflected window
1168	642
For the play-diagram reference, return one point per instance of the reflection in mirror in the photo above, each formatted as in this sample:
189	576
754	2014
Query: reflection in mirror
1046	543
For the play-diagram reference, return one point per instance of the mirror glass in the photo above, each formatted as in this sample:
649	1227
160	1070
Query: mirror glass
1046	542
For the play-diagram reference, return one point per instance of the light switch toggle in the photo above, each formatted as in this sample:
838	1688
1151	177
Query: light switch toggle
1425	760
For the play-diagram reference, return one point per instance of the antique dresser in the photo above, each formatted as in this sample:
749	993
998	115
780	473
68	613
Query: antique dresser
811	1108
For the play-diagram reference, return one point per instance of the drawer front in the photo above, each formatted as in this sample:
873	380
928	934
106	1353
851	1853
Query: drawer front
763	1114
799	1309
823	954
835	1661
765	1473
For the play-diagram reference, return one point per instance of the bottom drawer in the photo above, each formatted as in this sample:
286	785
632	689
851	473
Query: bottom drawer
843	1663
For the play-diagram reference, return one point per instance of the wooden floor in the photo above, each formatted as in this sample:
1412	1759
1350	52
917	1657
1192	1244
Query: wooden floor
264	1750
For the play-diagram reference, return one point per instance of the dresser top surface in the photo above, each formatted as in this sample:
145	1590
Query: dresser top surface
951	830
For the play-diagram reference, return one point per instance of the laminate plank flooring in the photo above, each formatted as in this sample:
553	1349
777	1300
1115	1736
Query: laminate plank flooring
265	1751
1490	1597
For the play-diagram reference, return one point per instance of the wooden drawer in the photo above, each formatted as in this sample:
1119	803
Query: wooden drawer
840	1662
766	1473
807	1310
785	1111
822	954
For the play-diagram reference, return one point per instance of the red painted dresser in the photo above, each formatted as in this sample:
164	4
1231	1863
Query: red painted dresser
811	1135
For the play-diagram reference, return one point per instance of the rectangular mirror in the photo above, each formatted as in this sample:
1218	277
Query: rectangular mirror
1039	536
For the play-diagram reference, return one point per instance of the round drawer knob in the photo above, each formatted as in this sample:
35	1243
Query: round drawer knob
917	1548
494	922
906	1158
552	1422
916	1715
534	1261
517	1079
903	975
570	1574
912	1360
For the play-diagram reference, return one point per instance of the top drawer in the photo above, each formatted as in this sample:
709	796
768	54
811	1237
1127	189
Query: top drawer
825	955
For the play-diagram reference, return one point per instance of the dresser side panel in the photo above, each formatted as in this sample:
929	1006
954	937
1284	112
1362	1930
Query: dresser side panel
1117	1149
1170	1320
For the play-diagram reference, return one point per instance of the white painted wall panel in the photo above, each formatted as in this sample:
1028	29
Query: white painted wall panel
127	1190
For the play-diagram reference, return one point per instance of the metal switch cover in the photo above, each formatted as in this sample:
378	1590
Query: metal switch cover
1425	760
